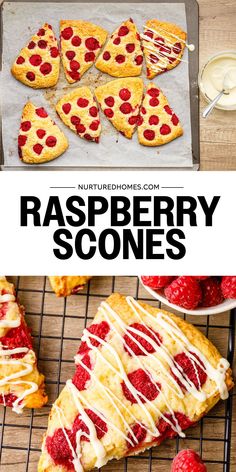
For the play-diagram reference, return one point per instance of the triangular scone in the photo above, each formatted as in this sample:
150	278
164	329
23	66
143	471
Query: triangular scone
40	140
122	55
158	124
21	384
142	375
81	43
164	45
79	111
38	63
120	101
68	285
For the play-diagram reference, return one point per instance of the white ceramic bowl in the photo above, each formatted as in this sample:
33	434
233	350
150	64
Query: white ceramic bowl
213	310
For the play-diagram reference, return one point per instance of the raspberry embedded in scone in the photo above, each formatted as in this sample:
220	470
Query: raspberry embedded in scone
81	42
127	396
120	101
163	45
79	111
122	55
37	64
39	140
21	384
65	285
157	124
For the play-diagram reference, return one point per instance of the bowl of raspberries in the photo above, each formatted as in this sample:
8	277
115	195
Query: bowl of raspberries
194	295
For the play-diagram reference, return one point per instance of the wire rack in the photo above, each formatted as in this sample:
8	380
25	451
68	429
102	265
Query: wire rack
57	325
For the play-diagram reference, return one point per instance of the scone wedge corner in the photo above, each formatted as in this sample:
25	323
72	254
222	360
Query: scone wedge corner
142	375
40	139
81	42
158	124
163	45
65	285
79	111
122	55
120	101
38	63
21	383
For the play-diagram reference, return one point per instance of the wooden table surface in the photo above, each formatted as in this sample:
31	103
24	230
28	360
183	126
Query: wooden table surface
218	132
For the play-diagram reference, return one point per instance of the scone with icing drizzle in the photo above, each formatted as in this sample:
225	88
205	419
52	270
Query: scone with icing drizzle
142	375
65	285
164	45
21	384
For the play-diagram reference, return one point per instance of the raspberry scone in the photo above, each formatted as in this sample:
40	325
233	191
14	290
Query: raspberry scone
38	63
158	124
142	375
164	45
68	285
122	55
79	111
40	140
120	101
81	43
21	384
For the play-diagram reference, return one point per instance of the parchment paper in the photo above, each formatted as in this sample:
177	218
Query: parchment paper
21	20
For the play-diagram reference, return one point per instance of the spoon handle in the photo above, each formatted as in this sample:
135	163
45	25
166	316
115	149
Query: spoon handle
206	112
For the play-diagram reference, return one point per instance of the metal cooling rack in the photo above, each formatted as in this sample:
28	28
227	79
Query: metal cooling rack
20	436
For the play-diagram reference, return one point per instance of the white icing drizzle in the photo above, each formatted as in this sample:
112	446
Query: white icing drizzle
6	298
26	369
190	47
160	357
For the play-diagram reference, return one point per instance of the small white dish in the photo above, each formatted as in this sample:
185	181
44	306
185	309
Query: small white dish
226	305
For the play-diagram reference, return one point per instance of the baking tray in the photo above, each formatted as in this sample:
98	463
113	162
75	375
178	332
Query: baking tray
192	16
57	325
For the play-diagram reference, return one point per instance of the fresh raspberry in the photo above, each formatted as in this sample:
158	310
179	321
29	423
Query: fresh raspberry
168	110
45	68
211	292
54	52
88	137
153	120
188	460
143	384
185	292
100	330
51	141
191	370
129	343
92	44
80	128
228	286
153	92
123	31
100	425
130	47
126	108
165	129
67	33
82	102
94	125
76	41
120	58
25	126
109	112
154	102
82	376
41	112
70	55
75	120
175	119
116	41
106	56
165	428
140	433
156	281
109	101
149	134
74	74
89	56
40	133
139	60
93	111
66	107
74	65
124	94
